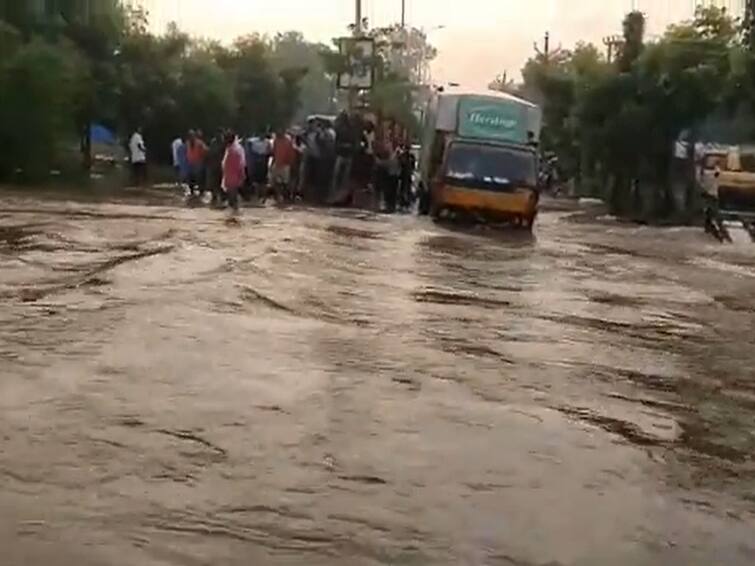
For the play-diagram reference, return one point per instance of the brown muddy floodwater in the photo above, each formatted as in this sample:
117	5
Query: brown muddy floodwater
318	387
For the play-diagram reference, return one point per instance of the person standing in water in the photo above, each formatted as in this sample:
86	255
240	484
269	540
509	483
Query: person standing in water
261	148
175	147
196	151
182	165
234	170
214	167
284	157
138	157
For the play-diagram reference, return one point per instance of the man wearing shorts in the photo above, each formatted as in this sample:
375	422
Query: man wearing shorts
284	156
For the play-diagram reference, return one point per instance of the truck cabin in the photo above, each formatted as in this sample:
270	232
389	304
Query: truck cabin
490	166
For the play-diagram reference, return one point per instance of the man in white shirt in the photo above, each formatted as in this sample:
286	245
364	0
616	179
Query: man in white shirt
138	155
175	147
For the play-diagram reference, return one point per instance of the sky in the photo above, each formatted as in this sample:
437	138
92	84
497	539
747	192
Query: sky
479	39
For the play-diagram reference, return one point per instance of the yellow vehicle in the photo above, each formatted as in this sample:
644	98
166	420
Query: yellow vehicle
479	157
727	180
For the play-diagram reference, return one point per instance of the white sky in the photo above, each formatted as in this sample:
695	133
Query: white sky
481	38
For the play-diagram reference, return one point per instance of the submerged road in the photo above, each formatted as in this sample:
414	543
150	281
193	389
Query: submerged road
318	387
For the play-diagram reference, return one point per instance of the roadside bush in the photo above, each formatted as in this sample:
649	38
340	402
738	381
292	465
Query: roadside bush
38	87
10	39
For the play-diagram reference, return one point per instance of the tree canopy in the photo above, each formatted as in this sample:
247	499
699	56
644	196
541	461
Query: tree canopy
614	124
69	63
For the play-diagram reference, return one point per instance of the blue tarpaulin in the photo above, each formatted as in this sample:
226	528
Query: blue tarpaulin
101	135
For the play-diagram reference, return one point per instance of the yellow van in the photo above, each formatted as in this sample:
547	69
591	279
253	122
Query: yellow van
480	158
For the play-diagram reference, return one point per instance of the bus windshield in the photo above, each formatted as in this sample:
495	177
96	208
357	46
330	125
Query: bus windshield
490	166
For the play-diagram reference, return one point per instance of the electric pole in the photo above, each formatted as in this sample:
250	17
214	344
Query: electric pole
545	54
358	21
354	92
546	51
403	14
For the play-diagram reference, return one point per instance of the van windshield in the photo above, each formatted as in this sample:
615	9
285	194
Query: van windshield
490	166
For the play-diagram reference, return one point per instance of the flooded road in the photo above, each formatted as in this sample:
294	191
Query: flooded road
335	387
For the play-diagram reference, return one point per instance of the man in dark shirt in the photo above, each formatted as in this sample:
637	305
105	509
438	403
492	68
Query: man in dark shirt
408	164
215	168
346	145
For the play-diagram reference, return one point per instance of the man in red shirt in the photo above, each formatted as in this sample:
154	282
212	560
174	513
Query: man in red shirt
234	170
284	156
196	151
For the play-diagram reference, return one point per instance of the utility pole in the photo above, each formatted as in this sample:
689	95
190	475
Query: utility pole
546	52
353	92
403	14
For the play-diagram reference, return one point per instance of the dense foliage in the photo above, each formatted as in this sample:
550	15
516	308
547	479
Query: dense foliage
85	62
614	124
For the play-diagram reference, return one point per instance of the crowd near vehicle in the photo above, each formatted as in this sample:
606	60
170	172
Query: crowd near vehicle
480	157
726	177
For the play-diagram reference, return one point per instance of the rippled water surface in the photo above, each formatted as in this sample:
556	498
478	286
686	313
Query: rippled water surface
338	387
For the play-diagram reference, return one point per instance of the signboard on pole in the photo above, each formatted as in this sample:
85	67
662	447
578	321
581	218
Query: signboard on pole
359	53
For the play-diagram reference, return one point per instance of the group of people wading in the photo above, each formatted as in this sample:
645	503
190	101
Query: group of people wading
328	162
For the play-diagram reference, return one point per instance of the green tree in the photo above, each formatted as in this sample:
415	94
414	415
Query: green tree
618	123
40	88
205	97
10	40
112	69
404	52
556	83
301	66
150	68
255	84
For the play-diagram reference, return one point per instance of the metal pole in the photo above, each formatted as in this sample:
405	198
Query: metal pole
353	92
403	14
